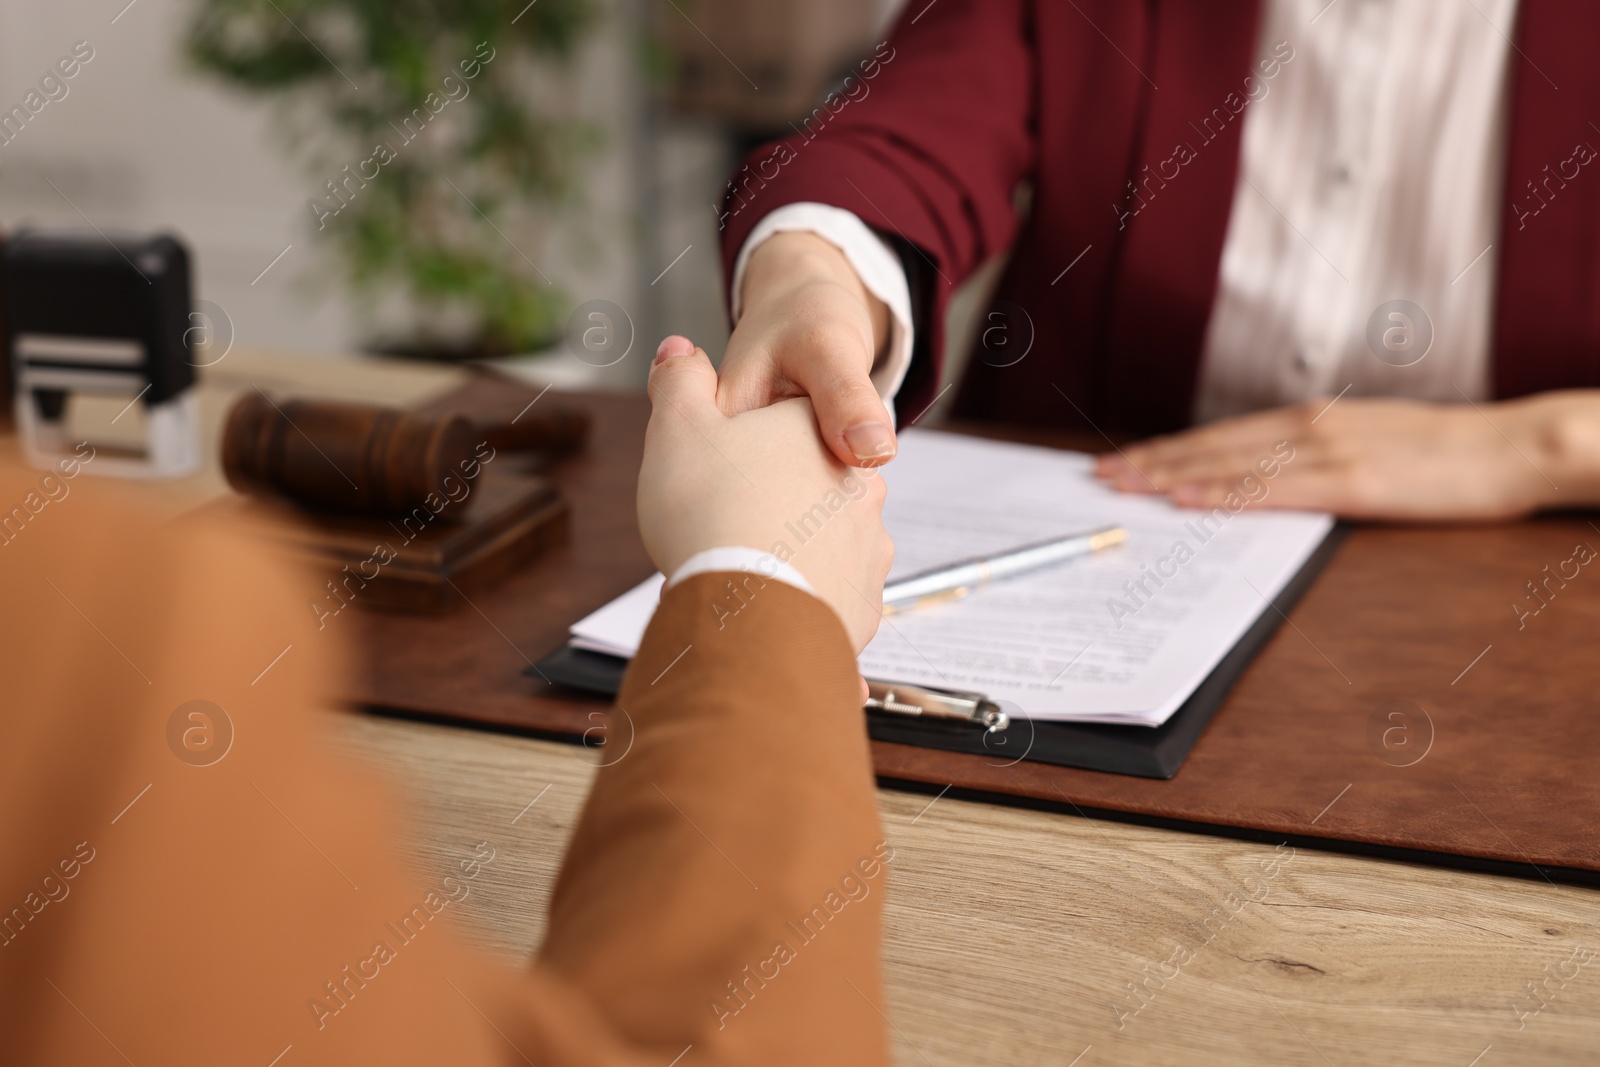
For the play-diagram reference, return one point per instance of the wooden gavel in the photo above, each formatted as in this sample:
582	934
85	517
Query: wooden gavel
362	459
358	459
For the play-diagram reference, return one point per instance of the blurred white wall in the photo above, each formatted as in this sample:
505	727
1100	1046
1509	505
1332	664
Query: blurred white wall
142	142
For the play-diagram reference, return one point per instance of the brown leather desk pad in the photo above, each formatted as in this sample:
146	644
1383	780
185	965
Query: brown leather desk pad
1490	762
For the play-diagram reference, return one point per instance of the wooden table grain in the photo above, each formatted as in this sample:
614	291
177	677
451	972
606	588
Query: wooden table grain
1025	937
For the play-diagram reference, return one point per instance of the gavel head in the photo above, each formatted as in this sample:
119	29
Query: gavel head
356	459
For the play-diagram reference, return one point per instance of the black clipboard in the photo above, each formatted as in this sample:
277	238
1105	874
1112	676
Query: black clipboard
1141	751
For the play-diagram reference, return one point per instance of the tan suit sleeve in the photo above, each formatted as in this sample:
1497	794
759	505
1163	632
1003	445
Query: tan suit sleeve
187	890
725	883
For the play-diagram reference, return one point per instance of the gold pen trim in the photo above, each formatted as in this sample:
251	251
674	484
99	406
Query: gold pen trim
1106	538
932	598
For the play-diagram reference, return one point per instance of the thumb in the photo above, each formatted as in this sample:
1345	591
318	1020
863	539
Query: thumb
854	422
682	378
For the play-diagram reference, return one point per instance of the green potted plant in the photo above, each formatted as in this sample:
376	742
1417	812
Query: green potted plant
430	161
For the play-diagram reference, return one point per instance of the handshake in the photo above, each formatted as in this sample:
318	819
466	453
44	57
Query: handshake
762	480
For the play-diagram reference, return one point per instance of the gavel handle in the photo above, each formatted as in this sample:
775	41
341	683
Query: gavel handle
553	427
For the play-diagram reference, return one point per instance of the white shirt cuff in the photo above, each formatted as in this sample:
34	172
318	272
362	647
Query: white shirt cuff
740	558
874	262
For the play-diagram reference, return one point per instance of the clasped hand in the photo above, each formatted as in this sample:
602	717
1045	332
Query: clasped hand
712	480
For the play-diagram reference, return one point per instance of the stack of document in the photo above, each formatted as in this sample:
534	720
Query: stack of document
1123	636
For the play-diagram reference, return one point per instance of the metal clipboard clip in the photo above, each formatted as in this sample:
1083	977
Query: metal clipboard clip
922	702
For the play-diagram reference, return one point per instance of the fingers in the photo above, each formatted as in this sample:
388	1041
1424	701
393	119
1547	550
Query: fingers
1228	449
1123	474
1326	488
682	379
1164	475
750	383
854	422
1257	431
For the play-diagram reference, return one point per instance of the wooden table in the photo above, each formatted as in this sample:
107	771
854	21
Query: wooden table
1024	937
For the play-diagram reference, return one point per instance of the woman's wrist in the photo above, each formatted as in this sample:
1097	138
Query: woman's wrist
1559	434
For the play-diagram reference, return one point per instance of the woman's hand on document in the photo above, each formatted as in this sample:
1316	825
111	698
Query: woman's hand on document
1380	459
764	480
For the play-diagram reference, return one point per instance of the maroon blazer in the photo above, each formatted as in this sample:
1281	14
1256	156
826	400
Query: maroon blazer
977	113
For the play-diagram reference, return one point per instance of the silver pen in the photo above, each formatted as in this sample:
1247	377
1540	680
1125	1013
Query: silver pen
958	579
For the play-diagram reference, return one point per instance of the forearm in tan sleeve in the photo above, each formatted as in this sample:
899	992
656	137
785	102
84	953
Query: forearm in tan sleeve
189	874
724	886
